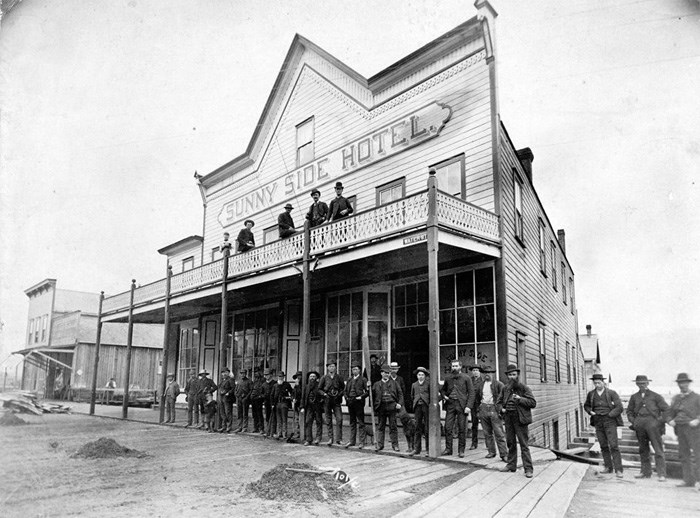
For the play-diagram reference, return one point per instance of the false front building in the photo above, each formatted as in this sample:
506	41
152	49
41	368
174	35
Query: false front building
446	224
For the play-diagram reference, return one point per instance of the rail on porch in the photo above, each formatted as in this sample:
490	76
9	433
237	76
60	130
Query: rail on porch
400	216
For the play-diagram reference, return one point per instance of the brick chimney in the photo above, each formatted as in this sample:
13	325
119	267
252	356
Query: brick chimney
526	158
561	236
588	329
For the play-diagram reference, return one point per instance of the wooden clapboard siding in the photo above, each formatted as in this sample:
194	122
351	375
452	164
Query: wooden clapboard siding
144	366
530	299
195	252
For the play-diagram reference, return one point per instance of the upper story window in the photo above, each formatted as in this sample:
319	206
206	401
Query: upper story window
557	363
44	322
543	249
31	330
271	234
187	264
543	353
215	254
553	257
563	283
518	200
571	294
391	191
450	176
568	363
305	142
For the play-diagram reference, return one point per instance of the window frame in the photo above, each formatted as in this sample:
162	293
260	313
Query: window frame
518	215
215	250
310	120
553	259
187	260
563	283
557	362
273	229
571	293
44	322
463	180
568	363
542	351
543	247
388	187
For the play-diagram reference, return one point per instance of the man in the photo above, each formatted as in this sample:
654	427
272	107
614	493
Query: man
340	207
491	421
191	396
478	383
257	398
605	409
420	396
312	408
684	416
296	406
388	399
355	394
285	223
109	393
646	412
270	414
375	370
206	386
246	239
514	404
227	395
457	394
244	389
282	398
172	390
318	211
331	389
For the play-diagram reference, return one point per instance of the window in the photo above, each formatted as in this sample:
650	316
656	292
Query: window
37	324
271	234
557	365
543	354
571	294
563	283
520	351
553	258
344	330
543	249
574	361
44	321
568	363
450	176
187	264
189	353
411	305
305	142
518	196
256	340
215	254
31	331
391	191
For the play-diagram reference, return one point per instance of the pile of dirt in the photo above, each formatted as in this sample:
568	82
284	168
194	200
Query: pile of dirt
281	484
10	419
105	448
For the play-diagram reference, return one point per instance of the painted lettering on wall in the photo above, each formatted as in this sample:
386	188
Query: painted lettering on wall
388	140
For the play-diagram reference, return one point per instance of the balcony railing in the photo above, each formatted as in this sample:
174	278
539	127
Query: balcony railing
400	216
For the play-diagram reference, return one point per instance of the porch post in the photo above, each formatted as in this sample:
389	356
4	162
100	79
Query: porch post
166	344
433	319
127	364
218	352
98	341
305	318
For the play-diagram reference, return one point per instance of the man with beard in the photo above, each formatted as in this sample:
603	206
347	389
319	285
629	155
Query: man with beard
311	409
478	382
684	416
457	395
227	395
605	409
515	404
318	211
282	399
491	421
331	388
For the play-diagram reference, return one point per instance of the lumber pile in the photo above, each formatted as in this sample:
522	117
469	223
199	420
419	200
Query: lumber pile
26	402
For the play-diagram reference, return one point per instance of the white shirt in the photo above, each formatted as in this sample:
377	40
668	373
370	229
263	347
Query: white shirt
487	397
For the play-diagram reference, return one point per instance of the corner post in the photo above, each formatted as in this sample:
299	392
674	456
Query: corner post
127	363
166	344
223	332
305	317
433	318
98	340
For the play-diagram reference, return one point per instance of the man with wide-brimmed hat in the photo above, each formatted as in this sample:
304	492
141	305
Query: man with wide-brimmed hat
646	413
282	394
340	207
191	396
244	389
331	388
491	422
311	408
285	223
515	404
318	211
605	408
172	390
246	240
225	400
684	416
420	397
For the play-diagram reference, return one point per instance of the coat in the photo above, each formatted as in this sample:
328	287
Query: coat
285	221
337	205
311	397
244	389
522	405
319	216
613	401
394	389
360	386
244	237
332	388
281	393
464	387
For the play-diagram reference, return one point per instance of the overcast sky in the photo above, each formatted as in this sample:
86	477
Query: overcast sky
108	107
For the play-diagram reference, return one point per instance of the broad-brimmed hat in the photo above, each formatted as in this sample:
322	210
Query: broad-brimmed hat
315	191
386	368
170	375
249	221
288	206
423	370
486	369
339	185
313	372
243	371
297	375
683	376
512	368
472	367
598	377
202	373
641	378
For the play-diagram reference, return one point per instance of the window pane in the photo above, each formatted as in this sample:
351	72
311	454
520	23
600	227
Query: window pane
305	133
465	353
411	294
447	354
422	290
465	289
356	336
400	316
378	336
422	314
344	308
465	325
449	178
400	295
411	316
332	338
344	364
357	306
447	326
344	337
486	354
485	328
484	285
306	153
446	289
332	309
377	306
355	359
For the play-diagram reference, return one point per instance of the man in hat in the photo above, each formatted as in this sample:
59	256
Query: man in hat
605	409
646	413
420	397
375	370
331	389
244	389
227	395
205	386
340	207
478	383
388	400
296	406
171	392
282	399
311	408
270	414
515	404
355	395
491	422
246	239
684	416
285	223
457	394
257	400
191	395
318	211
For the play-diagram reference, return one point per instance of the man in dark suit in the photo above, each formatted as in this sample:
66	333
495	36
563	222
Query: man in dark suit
246	239
478	382
388	400
244	390
646	412
318	211
457	394
605	409
375	370
311	409
285	223
684	416
331	388
420	396
340	207
355	394
227	395
515	404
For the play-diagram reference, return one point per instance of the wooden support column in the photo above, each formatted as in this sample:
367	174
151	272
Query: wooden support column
223	332
433	319
96	364
166	343
127	363
305	319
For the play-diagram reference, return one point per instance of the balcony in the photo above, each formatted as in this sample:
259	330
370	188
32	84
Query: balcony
400	217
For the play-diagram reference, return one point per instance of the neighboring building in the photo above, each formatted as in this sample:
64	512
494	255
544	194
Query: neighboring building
506	288
59	353
591	355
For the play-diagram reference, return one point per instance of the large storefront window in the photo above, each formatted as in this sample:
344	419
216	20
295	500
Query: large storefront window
256	340
189	348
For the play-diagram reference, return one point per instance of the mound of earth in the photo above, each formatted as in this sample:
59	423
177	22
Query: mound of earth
10	419
105	448
280	484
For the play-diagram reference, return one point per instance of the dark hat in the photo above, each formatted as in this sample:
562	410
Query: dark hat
313	372
203	372
243	371
386	368
487	369
512	368
266	372
297	375
372	356
315	191
422	369
170	375
332	362
598	377
280	374
226	369
683	377
249	220
338	185
640	378
472	367
358	365
288	206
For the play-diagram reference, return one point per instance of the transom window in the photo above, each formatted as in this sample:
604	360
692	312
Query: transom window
305	142
450	176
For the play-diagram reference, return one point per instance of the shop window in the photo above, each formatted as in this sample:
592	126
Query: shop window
305	142
563	283
391	191
553	260
187	264
344	331
518	201
543	249
450	176
543	353
557	366
256	340
271	234
411	305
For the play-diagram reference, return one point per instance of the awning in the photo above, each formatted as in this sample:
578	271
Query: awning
36	355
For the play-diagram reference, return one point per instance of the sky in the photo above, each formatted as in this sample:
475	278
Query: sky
108	107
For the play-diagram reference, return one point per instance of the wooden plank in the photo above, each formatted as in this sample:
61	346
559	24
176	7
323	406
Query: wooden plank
556	500
522	503
416	478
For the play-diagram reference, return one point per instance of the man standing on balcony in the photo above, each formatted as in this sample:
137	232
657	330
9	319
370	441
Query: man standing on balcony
684	416
331	389
605	409
285	223
340	207
245	239
457	394
318	212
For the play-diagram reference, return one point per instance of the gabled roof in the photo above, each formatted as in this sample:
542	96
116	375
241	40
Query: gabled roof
589	347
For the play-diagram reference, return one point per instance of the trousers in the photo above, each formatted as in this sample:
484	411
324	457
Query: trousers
494	435
606	433
516	432
649	432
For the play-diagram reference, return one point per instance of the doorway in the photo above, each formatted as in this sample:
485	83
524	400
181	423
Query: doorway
410	350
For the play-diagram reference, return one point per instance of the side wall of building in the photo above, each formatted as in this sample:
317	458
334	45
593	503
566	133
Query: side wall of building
144	366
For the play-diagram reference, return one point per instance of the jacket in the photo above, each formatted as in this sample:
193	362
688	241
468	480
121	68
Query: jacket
522	405
192	387
281	393
285	221
244	237
360	387
172	390
393	388
318	216
244	389
478	384
653	402
337	205
462	385
418	390
496	389
227	389
258	391
311	396
690	404
332	388
206	386
613	401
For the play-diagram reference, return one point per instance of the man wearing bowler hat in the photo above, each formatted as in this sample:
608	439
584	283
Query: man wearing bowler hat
225	400
491	422
684	416
318	211
246	239
331	388
340	207
605	409
285	223
646	413
515	404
